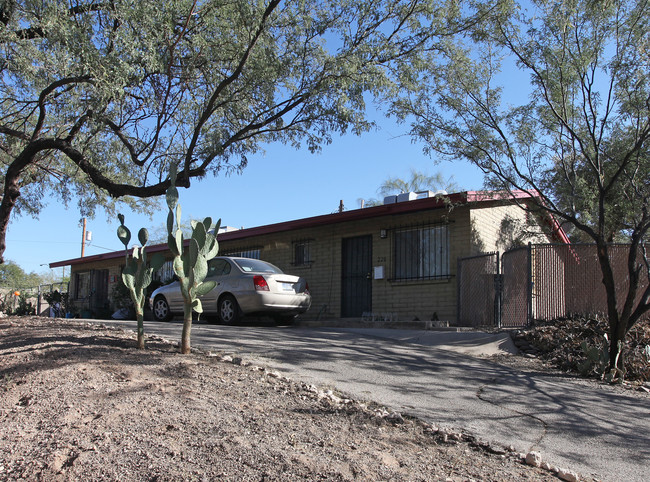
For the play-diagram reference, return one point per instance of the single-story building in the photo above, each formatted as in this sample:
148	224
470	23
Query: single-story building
397	260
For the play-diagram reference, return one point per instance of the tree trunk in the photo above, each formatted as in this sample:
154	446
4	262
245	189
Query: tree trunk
10	195
12	187
187	329
614	321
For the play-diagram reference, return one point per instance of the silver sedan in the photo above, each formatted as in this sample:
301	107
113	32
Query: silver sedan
245	286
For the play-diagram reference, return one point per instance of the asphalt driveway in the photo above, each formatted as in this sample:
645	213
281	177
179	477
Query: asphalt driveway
590	428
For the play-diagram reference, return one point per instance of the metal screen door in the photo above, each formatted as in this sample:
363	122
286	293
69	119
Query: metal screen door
356	285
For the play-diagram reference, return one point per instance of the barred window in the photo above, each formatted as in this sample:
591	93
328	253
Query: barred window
301	253
421	253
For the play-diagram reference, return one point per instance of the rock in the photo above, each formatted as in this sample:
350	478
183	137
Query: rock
237	361
226	358
568	475
534	459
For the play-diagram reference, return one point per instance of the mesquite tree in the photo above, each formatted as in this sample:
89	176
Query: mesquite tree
98	98
577	137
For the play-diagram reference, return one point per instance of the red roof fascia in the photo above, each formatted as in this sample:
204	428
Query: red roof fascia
345	216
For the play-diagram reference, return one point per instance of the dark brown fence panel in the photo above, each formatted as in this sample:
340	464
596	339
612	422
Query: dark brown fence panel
515	270
476	290
567	280
619	255
541	282
585	293
584	285
548	294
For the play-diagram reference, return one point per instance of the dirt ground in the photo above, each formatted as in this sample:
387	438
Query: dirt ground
79	402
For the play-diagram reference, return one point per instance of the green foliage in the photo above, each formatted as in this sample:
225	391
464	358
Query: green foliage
24	307
121	296
419	181
56	297
16	305
597	361
191	264
13	277
98	98
597	357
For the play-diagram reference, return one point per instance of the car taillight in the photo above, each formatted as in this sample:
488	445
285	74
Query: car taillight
307	288
260	283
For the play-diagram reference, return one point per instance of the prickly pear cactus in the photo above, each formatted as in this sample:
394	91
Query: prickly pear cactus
137	274
191	264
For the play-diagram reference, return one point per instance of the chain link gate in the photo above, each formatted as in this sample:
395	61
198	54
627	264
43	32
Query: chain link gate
478	293
516	295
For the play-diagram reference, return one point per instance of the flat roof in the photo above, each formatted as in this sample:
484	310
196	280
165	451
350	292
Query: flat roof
436	202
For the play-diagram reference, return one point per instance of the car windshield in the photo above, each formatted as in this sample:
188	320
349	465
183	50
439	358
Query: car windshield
257	266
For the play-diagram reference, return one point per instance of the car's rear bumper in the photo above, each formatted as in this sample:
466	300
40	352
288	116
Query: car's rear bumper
261	302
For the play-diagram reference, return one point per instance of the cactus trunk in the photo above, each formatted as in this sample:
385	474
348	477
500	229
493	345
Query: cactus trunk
191	264
140	317
187	330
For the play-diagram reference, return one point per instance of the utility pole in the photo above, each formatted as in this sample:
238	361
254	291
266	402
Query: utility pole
83	237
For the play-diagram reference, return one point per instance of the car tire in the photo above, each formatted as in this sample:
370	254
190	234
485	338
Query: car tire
161	310
228	310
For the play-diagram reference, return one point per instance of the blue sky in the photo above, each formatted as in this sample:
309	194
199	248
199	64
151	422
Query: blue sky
281	185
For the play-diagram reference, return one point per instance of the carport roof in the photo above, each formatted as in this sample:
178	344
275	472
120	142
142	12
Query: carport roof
416	205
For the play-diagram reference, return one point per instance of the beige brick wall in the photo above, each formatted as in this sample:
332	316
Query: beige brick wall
470	231
490	233
407	299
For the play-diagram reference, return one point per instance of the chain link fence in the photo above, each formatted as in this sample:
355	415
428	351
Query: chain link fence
542	282
477	283
515	271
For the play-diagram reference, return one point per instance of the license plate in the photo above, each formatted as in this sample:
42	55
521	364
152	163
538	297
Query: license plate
287	287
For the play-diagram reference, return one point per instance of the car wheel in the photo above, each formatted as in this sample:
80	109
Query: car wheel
161	311
228	310
285	319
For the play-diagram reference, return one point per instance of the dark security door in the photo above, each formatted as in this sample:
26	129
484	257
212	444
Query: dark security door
356	295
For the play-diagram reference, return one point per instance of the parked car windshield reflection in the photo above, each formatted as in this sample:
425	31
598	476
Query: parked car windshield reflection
256	266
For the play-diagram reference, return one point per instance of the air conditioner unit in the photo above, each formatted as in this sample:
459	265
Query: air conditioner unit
424	194
390	199
406	196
